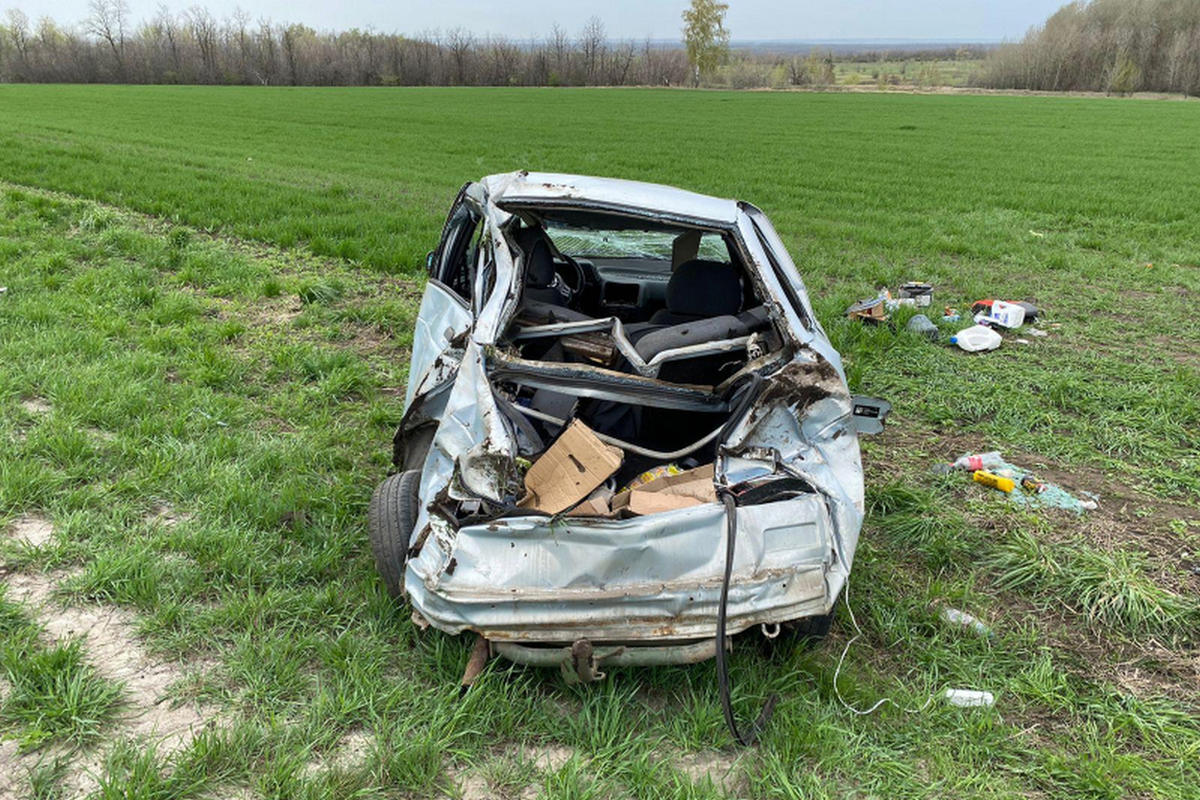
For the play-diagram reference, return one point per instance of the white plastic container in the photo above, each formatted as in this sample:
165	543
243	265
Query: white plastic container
969	698
976	338
1010	315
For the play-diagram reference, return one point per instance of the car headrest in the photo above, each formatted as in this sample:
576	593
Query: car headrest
539	258
700	288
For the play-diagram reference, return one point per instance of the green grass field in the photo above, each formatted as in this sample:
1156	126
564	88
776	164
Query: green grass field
209	298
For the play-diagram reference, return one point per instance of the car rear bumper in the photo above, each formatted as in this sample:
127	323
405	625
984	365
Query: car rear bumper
626	583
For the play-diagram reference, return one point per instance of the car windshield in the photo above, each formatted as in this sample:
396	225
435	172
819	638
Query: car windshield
585	242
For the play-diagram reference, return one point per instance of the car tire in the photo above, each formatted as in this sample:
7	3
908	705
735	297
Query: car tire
391	517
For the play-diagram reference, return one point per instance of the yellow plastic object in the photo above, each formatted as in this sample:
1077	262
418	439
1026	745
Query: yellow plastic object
994	481
653	474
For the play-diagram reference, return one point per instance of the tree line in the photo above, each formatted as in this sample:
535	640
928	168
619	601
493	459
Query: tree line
195	47
1116	46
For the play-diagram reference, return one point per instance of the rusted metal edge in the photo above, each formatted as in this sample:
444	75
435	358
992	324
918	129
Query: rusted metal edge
606	656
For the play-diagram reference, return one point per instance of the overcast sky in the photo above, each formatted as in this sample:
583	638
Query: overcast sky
976	20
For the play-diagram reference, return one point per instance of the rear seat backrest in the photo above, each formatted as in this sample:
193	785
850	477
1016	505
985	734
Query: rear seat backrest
699	289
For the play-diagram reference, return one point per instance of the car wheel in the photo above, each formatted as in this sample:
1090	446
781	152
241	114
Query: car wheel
390	521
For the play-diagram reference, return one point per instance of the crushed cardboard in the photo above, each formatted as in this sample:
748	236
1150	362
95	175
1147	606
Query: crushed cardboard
691	488
569	470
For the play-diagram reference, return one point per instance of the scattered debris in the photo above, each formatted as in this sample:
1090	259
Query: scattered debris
969	698
1035	332
870	311
979	461
965	620
920	293
994	481
990	469
976	338
921	324
999	312
874	310
1038	234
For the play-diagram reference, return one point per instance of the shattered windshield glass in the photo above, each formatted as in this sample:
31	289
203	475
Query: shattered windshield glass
583	242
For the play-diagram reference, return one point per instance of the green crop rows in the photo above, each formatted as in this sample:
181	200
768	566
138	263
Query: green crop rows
209	299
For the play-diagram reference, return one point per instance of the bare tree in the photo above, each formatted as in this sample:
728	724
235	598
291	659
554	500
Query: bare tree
107	21
560	45
592	47
18	33
460	42
203	27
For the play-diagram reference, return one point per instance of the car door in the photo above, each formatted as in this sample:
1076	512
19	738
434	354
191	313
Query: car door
445	311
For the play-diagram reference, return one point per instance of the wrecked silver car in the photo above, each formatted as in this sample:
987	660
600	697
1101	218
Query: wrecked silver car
610	380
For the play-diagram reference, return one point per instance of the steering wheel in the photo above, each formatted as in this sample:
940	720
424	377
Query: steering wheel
580	277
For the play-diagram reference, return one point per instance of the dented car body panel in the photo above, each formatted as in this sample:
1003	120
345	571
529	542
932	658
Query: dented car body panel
784	439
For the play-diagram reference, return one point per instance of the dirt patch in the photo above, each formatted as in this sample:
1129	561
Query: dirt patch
36	406
165	514
275	313
101	434
13	769
32	530
1147	669
349	753
550	758
475	787
709	765
112	647
1178	350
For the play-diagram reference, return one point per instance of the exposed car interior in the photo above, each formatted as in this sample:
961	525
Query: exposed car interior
687	314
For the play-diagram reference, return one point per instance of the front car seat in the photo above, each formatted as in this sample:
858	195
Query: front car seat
704	301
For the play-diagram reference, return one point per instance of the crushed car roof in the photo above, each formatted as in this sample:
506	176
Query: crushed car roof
542	188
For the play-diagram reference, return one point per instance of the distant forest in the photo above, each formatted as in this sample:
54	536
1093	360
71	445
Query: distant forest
195	47
1117	46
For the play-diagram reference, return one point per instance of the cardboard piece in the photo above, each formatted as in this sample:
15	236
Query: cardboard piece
871	311
569	470
596	505
691	488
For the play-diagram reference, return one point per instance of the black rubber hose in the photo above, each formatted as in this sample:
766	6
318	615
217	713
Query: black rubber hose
748	738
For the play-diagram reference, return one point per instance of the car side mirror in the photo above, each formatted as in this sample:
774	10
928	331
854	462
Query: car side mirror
869	414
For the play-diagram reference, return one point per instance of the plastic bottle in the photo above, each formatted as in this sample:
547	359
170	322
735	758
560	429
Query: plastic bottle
976	338
969	698
962	618
994	481
978	461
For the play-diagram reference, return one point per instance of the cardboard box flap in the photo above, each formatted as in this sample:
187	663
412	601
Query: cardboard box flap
691	488
569	470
